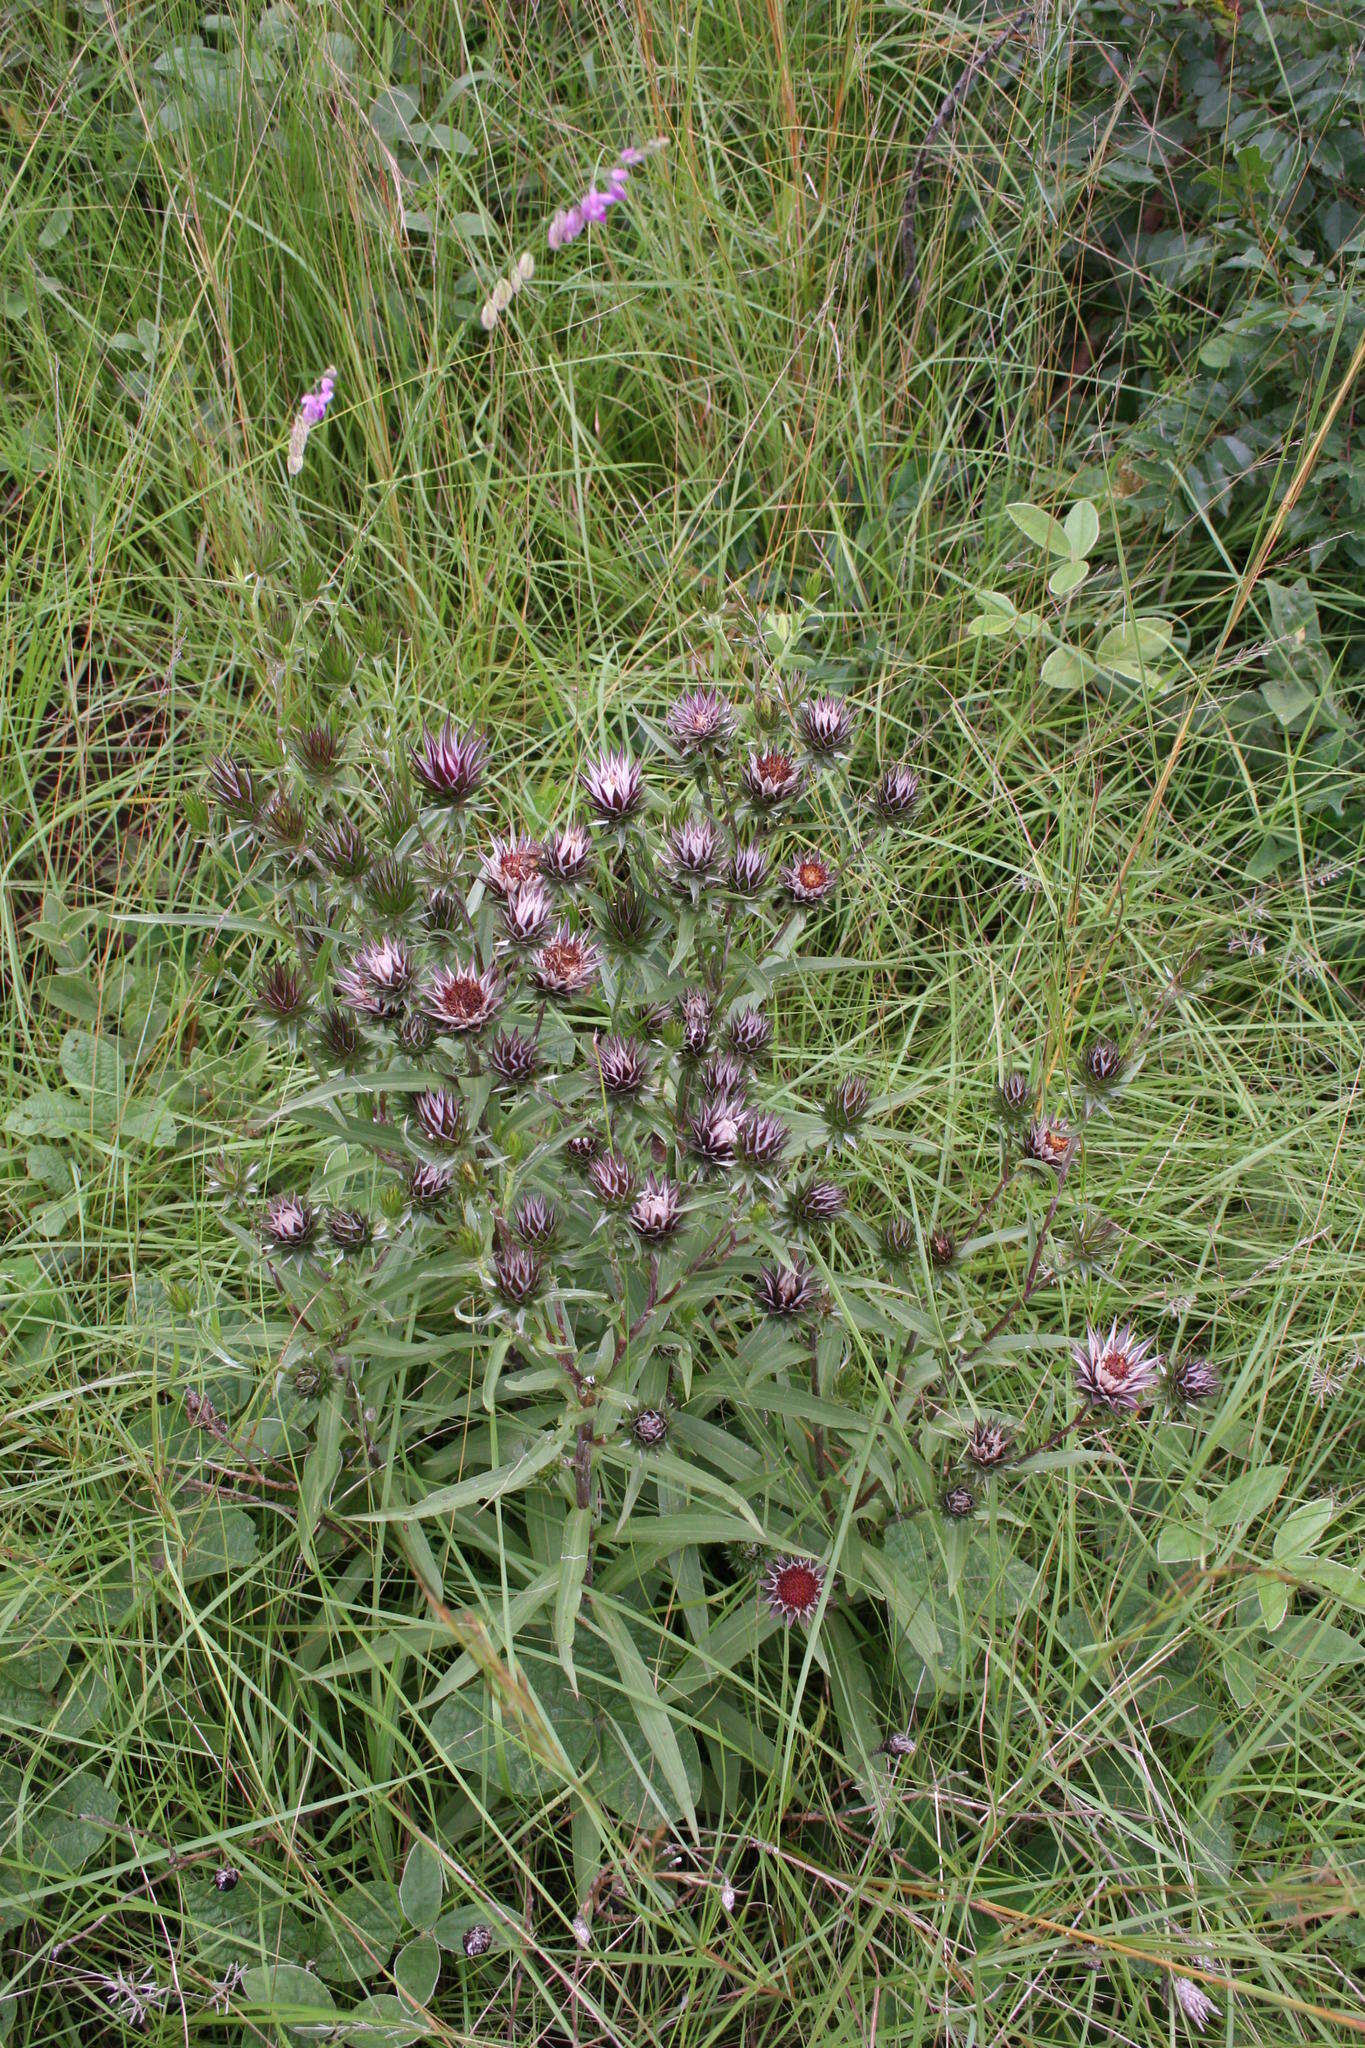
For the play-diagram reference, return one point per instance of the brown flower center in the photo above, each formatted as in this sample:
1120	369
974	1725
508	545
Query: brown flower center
797	1586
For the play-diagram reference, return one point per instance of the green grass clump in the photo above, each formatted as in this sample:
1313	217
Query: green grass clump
1073	518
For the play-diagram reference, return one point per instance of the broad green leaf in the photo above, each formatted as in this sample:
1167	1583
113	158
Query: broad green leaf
417	1968
1273	1595
1247	1497
422	1886
286	1991
1301	1528
1063	669
93	1065
655	1722
357	1935
320	1467
480	1488
1069	577
573	1566
382	2021
1135	648
1040	527
217	1542
1082	528
1177	1544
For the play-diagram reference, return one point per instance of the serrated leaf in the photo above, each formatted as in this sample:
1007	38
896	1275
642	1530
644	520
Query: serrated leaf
422	1886
1040	527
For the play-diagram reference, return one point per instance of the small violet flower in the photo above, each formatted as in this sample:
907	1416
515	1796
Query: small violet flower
311	413
594	204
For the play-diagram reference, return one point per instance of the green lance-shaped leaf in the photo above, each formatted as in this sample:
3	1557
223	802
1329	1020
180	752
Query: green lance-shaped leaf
573	1567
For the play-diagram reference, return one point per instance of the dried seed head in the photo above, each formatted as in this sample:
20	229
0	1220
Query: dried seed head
461	999
700	722
808	879
517	1275
649	1428
536	1220
763	1138
696	1022
1102	1065
847	1105
1116	1372
896	793
377	981
449	764
615	787
713	1130
318	749
656	1211
513	1057
826	724
749	1034
792	1587
526	911
770	778
622	1065
567	854
281	996
566	963
692	852
815	1201
390	886
289	1224
341	849
958	1503
350	1230
786	1290
1016	1096
510	863
1192	1382
900	1744
440	1116
988	1444
429	1186
233	787
1192	1998
477	1941
1050	1141
612	1180
748	867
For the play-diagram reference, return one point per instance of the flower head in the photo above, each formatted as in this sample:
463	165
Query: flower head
848	1103
747	868
318	749
583	1147
444	912
808	879
696	1022
656	1211
792	1587
567	854
713	1130
526	911
428	1186
233	787
1102	1065
511	862
1049	1141
898	1238
615	787
338	1037
350	1230
340	847
390	886
958	1503
988	1445
513	1057
1016	1095
377	981
726	1074
566	962
770	778
535	1220
896	793
612	1180
749	1033
786	1290
1116	1372
763	1138
621	1064
449	764
692	852
649	1428
816	1201
281	995
700	722
440	1116
1192	1382
1192	1998
942	1247
826	724
311	413
289	1224
517	1275
461	999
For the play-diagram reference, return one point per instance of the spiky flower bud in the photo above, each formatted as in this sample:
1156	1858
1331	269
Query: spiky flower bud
318	749
898	1238
429	1186
390	886
477	1941
397	813
1116	1372
567	854
281	996
815	1201
770	778
415	1034
449	764
622	1065
656	1211
339	1041
1102	1065
896	793
517	1275
826	724
942	1247
377	980
535	1220
1016	1096
350	1230
615	787
440	1116
511	862
748	867
627	917
1192	1382
808	879
566	963
958	1503
785	1291
988	1445
513	1057
341	849
526	911
763	1138
700	722
233	787
749	1034
847	1105
725	1074
649	1428
444	912
284	819
792	1587
460	999
1049	1141
713	1130
692	852
289	1224
696	1022
612	1180
583	1147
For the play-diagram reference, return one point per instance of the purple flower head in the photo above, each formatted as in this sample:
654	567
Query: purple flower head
1116	1372
462	999
376	982
700	721
615	786
567	854
526	911
510	862
657	1211
713	1133
692	851
313	405
566	962
763	1138
449	763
